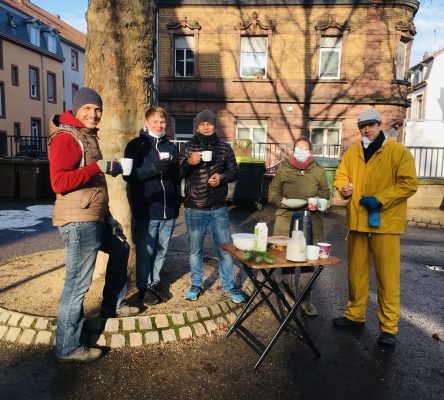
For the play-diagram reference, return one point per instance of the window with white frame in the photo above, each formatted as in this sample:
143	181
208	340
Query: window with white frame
256	131
51	90
325	137
183	128
34	90
34	34
419	108
184	56
51	43
35	128
74	60
330	57
253	60
400	65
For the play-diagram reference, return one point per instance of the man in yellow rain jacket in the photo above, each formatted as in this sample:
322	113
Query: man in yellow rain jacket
377	176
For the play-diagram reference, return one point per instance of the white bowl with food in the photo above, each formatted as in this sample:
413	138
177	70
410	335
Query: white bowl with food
243	241
294	203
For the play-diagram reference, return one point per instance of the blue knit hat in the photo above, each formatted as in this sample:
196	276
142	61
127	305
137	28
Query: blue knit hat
84	96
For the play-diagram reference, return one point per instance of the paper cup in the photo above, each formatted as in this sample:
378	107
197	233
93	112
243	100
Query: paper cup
312	252
207	156
127	165
324	250
322	204
312	203
164	154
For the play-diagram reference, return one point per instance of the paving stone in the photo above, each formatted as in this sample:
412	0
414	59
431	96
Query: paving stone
27	321
128	324
192	316
169	335
210	325
152	337
117	340
185	332
43	337
231	317
145	323
41	324
27	336
161	321
135	339
215	309
221	322
237	311
232	305
101	341
422	224
3	330
178	319
14	319
12	334
4	316
53	324
199	329
112	325
224	306
204	312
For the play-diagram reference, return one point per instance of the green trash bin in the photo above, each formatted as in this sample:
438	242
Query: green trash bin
8	177
33	178
330	165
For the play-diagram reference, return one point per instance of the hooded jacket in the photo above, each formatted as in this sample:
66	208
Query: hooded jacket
80	186
389	175
198	193
154	195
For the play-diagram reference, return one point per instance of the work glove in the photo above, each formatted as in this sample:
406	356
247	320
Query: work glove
162	166
116	227
110	167
373	206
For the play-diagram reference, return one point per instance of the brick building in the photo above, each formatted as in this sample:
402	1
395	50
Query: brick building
275	70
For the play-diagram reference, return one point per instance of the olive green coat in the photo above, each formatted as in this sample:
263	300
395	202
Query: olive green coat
292	183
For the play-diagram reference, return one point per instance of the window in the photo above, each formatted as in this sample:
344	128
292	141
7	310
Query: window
253	62
14	75
51	90
325	137
3	143
183	128
184	53
74	89
256	131
1	54
17	132
74	60
34	83
400	65
52	43
35	129
2	100
330	57
419	108
34	34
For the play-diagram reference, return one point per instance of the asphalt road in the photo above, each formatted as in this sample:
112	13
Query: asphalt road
352	365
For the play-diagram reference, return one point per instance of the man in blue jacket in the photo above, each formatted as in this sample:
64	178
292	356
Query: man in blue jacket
154	202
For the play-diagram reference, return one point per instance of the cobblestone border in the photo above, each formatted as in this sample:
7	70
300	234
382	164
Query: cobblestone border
24	329
424	223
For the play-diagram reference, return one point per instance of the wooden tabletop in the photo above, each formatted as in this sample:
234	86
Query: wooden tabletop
281	261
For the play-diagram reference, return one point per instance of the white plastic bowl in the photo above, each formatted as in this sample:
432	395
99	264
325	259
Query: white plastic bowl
243	241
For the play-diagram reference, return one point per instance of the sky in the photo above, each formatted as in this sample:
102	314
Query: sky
429	18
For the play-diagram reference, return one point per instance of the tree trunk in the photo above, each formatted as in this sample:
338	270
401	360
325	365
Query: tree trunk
119	60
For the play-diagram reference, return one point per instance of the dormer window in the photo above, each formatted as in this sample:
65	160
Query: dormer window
34	34
51	40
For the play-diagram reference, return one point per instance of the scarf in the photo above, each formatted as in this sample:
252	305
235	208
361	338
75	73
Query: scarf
301	165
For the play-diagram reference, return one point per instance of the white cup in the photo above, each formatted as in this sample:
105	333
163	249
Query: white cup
207	155
164	154
127	165
312	252
322	204
312	203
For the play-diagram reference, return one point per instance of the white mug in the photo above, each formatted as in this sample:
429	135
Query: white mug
312	252
164	154
127	165
207	155
322	204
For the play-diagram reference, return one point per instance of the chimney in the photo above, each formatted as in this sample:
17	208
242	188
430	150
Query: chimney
425	56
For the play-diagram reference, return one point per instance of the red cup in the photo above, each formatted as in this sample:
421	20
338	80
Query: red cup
324	250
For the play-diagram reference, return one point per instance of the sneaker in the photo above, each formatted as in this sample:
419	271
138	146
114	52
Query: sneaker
161	291
235	296
150	298
342	322
84	355
193	293
387	339
123	311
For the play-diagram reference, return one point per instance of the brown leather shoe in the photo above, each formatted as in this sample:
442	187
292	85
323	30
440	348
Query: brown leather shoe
84	355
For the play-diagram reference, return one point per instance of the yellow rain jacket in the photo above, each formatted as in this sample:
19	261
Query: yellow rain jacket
389	175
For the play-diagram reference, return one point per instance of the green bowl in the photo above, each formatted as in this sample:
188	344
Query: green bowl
294	203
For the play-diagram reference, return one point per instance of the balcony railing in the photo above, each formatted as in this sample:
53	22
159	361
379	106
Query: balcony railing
17	146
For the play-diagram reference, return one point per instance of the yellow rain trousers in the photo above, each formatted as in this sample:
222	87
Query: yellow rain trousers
385	250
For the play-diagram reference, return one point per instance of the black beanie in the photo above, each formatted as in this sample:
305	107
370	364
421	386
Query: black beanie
205	116
84	96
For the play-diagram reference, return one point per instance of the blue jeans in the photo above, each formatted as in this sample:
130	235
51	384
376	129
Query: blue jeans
152	238
83	240
198	222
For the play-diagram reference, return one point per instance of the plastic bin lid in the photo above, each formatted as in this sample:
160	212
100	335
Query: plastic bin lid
245	159
327	162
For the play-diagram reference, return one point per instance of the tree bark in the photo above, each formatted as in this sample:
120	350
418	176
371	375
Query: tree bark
119	59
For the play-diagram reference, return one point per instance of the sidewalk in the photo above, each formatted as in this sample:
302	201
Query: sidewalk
425	218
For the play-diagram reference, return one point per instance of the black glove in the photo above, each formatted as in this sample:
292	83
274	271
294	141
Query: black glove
162	166
110	167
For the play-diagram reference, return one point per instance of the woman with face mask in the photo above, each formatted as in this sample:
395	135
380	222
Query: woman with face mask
298	177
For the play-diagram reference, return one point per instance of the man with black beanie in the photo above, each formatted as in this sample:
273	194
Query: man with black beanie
208	165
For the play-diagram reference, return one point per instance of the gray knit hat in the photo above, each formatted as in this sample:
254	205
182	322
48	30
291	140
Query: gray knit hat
369	117
205	116
84	96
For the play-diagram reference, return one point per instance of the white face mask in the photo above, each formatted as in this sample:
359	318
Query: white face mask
301	155
366	141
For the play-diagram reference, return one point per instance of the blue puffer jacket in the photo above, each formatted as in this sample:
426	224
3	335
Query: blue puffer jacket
153	195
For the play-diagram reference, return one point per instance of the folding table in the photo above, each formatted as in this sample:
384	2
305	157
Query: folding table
288	318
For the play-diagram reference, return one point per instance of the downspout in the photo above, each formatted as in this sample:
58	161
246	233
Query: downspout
156	62
43	98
